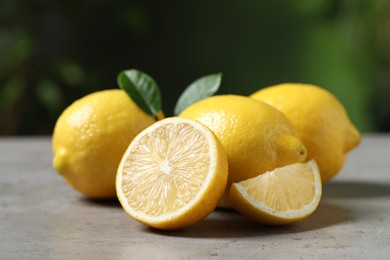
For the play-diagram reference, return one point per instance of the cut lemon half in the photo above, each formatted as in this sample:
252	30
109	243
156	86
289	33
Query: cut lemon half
173	174
282	196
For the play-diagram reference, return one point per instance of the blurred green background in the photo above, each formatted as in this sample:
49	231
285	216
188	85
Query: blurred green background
54	52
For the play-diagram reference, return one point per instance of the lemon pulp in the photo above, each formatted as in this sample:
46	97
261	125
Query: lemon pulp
281	196
168	176
161	160
283	191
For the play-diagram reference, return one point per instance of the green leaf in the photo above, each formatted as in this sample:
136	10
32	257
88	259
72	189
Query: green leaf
201	88
142	89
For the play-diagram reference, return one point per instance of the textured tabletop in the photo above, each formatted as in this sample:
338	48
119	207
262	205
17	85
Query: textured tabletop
42	218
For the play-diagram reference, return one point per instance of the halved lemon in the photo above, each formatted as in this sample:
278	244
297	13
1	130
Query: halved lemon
173	174
282	196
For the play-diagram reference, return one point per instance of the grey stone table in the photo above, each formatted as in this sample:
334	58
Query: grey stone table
42	218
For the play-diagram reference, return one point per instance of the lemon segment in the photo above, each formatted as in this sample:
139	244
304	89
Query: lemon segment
282	196
172	175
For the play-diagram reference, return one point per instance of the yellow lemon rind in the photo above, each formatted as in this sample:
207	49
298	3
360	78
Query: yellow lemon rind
90	137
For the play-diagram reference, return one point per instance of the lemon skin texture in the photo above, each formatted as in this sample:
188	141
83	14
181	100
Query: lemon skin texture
90	137
255	136
320	119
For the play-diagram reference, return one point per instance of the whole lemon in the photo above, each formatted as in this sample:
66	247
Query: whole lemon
90	137
320	119
255	136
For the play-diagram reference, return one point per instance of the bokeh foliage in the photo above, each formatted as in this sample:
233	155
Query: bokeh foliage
53	52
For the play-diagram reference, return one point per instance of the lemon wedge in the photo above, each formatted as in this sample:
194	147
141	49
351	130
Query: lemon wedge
172	175
282	196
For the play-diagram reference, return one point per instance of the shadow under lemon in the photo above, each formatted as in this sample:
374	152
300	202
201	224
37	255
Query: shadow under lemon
225	223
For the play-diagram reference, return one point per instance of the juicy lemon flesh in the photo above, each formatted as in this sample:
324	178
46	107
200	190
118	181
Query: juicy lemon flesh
281	196
172	163
172	175
283	189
